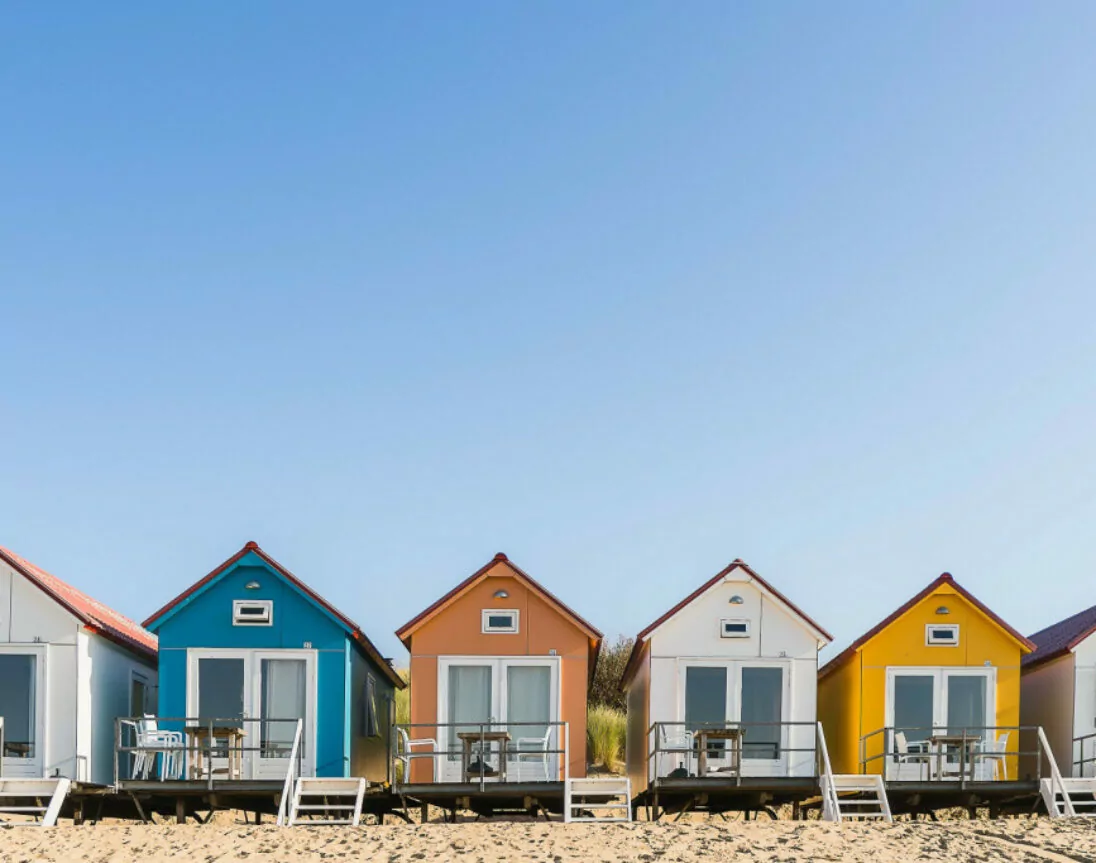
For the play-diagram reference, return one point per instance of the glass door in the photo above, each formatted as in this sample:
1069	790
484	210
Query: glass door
22	755
707	698
470	702
913	708
282	700
529	700
761	710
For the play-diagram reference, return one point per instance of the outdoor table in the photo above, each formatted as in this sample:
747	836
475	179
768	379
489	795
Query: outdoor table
471	738
202	737
733	736
940	744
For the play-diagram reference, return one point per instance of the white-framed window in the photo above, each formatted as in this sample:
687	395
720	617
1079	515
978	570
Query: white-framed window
942	634
500	620
252	612
734	627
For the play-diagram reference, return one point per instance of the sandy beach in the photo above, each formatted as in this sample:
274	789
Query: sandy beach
1006	840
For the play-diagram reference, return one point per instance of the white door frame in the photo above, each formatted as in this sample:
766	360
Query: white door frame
450	770
253	766
733	708
33	768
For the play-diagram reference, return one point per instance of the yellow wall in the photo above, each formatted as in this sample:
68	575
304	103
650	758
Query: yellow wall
902	643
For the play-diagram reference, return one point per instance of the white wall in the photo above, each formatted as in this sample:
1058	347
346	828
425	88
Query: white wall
776	634
1084	701
109	676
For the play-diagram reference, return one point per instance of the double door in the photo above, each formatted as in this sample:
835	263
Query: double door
927	703
518	695
751	696
260	694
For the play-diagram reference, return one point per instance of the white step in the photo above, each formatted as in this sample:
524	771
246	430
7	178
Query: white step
870	802
1075	797
611	787
49	796
319	794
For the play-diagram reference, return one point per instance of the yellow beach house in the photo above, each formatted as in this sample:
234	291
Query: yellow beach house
930	693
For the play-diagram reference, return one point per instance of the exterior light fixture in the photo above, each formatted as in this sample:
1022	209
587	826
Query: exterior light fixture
736	600
252	585
501	594
943	609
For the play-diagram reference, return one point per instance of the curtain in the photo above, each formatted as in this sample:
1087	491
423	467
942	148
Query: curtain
469	701
966	703
283	694
17	703
762	702
528	699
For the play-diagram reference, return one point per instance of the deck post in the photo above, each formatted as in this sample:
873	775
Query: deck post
180	810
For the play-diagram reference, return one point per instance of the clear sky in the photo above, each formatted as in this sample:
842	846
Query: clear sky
624	289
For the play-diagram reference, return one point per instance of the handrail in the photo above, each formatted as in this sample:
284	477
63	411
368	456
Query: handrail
1080	762
1056	782
968	756
830	805
287	786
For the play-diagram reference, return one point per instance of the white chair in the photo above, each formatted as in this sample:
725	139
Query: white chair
150	742
406	753
995	752
674	741
906	753
534	749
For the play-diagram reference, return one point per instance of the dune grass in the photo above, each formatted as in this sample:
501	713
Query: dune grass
605	733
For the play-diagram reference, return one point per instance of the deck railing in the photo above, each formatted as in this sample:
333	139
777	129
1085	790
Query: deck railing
173	748
291	774
776	749
535	752
963	754
1084	760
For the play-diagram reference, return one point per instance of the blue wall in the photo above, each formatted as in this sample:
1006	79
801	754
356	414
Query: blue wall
205	620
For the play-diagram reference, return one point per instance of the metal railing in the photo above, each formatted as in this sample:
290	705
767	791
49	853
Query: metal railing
172	748
1080	761
538	751
792	751
963	754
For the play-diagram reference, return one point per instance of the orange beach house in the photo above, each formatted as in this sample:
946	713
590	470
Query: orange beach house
499	650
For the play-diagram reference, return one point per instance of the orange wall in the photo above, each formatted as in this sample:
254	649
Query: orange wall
456	630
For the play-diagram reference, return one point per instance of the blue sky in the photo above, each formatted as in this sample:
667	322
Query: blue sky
626	290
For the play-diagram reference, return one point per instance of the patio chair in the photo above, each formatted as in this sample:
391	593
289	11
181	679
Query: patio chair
675	741
534	749
995	752
150	742
406	753
904	754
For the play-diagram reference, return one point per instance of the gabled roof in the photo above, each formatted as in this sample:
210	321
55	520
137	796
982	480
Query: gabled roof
942	579
405	632
352	629
737	563
1060	638
91	613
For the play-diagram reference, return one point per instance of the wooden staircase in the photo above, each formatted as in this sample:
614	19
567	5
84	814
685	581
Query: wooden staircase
851	795
1068	798
336	801
41	799
583	799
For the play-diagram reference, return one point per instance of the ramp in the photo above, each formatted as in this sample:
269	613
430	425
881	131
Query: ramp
335	801
583	799
39	799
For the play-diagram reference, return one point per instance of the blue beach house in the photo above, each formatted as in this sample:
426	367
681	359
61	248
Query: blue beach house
253	647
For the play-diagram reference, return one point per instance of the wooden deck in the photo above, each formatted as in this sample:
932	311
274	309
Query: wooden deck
490	799
719	794
998	798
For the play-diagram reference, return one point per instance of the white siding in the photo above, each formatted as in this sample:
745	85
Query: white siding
1084	701
776	634
111	673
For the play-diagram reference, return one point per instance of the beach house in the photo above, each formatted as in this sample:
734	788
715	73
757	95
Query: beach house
251	649
722	685
930	692
500	659
1058	691
68	666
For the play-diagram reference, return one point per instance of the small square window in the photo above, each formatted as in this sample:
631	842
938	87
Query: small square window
734	629
942	635
252	612
500	620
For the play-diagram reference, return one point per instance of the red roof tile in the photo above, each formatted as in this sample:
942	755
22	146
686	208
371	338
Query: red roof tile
1060	638
90	612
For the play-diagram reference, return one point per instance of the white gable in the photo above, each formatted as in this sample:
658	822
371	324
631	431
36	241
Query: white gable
773	629
28	614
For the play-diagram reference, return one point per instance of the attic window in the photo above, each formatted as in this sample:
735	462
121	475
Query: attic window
942	635
500	620
734	628
252	612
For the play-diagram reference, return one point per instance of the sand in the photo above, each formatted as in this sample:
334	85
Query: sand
1039	839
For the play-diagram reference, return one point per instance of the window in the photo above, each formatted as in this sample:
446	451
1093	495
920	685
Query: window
18	700
942	634
500	620
252	612
734	629
372	725
138	695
